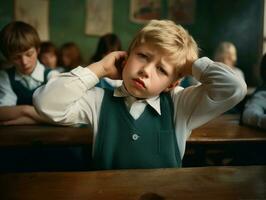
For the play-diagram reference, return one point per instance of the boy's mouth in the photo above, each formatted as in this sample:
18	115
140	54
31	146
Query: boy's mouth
139	82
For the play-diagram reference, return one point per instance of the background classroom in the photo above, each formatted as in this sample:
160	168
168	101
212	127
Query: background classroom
239	21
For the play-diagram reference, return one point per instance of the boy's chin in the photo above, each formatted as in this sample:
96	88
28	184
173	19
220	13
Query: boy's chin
141	96
26	72
135	94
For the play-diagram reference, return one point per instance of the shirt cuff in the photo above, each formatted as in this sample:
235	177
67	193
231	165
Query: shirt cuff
85	75
199	66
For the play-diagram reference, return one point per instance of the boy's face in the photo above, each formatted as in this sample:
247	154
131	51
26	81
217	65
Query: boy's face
26	61
147	72
49	59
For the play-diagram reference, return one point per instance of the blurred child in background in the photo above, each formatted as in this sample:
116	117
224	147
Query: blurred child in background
226	53
254	113
19	44
107	43
70	56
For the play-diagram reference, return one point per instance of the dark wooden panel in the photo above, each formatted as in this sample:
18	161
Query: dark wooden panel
43	135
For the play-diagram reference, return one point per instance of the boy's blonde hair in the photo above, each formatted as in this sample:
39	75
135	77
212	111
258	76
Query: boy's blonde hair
224	50
17	37
171	38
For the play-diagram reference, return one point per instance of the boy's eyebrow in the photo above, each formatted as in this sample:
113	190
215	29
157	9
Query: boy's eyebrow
148	53
145	50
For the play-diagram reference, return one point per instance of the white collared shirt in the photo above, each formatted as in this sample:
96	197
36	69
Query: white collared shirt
8	96
135	106
79	102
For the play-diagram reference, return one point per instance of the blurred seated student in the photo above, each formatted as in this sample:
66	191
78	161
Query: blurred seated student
226	53
106	44
19	44
254	113
70	56
48	56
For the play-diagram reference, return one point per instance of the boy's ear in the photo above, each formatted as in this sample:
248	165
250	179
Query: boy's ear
124	62
171	86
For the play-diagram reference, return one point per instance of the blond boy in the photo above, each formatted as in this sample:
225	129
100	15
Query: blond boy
145	122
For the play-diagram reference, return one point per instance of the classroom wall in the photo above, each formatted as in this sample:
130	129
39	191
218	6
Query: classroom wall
238	21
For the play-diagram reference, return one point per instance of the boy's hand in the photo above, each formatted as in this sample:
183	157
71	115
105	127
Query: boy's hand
110	66
186	70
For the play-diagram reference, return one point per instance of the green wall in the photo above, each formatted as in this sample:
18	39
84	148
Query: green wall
238	21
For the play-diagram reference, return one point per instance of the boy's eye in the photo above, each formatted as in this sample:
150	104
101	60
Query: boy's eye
142	55
29	54
162	70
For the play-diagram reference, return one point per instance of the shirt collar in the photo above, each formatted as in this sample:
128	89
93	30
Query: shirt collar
37	73
154	102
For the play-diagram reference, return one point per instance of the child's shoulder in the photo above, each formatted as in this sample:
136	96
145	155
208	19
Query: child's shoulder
4	72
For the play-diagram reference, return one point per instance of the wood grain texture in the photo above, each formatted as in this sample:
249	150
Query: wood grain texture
185	183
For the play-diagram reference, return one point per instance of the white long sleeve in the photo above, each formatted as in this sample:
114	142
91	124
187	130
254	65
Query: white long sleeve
220	90
71	98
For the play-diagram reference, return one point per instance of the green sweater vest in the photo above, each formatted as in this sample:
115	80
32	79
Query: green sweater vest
125	143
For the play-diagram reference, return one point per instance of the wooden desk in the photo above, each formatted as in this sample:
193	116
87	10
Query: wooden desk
226	129
44	148
222	141
185	183
222	133
43	135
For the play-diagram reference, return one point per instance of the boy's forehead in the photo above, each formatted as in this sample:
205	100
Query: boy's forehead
151	48
22	52
154	50
25	51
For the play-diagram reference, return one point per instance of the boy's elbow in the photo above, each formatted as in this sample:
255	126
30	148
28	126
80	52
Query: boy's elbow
240	89
231	93
42	105
237	91
51	111
48	113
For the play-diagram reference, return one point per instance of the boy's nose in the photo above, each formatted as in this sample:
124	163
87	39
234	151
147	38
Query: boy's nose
24	60
145	71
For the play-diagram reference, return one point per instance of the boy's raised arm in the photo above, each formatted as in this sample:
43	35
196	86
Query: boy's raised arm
220	90
70	98
61	100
